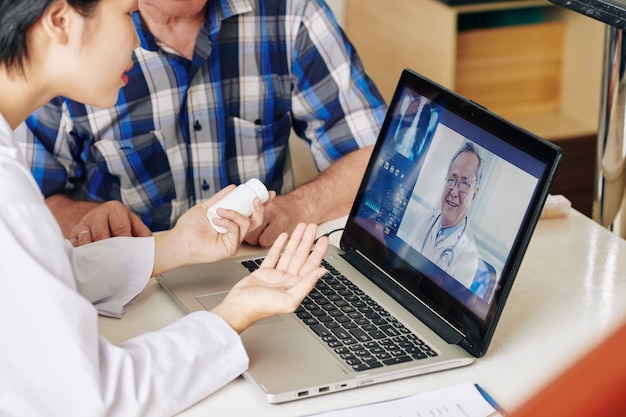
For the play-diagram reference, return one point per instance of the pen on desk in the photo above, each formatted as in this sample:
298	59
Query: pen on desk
498	412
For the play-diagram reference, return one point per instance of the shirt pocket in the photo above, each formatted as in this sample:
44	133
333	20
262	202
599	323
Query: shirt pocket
260	150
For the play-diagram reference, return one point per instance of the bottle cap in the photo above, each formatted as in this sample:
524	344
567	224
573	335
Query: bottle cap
259	189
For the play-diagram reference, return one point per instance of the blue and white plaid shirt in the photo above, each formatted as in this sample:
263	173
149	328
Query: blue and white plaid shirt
182	130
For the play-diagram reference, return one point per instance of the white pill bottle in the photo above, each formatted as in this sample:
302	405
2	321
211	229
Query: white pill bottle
239	200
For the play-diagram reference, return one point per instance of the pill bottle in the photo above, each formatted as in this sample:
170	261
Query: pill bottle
239	200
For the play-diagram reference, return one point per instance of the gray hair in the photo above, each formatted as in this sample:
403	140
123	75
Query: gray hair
471	148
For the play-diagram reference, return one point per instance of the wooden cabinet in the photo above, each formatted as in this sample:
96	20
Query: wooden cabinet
545	75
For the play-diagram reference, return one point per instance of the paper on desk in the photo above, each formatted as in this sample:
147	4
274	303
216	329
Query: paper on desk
462	400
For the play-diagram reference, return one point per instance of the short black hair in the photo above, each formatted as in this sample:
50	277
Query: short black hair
17	17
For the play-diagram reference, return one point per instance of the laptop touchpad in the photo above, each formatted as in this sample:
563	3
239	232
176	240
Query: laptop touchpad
209	301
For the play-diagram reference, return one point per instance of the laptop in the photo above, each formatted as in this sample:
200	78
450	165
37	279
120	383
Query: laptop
390	307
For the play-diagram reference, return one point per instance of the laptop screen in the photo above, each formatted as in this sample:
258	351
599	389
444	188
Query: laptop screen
449	201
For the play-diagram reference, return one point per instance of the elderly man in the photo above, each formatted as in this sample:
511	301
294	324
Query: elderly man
444	237
215	90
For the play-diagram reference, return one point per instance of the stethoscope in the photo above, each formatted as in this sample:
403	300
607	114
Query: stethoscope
447	254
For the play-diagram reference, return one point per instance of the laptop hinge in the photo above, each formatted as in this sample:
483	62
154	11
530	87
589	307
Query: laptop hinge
425	313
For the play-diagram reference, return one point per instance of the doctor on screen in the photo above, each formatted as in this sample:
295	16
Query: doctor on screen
445	237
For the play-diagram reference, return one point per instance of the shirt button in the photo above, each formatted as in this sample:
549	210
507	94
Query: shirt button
205	186
197	126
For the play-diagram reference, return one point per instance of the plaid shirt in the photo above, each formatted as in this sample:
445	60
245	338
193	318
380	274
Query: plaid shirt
181	130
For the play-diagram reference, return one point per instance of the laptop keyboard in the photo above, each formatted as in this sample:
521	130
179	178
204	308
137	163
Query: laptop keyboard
354	326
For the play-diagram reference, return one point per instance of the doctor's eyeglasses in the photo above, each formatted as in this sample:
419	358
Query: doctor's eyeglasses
464	186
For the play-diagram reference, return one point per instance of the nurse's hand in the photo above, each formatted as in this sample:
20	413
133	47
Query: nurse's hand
288	273
193	239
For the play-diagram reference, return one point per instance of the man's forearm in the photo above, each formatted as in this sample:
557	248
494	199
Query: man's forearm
331	194
67	211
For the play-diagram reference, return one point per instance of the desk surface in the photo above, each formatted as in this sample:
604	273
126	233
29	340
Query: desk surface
569	293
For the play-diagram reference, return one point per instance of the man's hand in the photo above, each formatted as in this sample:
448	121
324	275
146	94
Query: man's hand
326	197
282	214
107	220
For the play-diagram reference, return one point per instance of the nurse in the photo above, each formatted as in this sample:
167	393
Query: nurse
445	237
53	362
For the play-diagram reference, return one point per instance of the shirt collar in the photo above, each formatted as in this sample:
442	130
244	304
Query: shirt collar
229	8
447	232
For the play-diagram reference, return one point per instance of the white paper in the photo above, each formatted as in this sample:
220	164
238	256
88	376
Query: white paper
462	400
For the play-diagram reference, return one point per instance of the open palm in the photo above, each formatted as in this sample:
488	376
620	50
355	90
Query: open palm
288	273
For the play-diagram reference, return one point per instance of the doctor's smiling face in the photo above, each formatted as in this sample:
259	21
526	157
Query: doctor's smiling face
460	188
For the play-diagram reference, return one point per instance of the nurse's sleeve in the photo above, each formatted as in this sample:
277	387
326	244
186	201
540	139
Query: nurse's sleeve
176	366
112	272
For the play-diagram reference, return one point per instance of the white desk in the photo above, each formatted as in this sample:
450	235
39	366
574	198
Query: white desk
570	291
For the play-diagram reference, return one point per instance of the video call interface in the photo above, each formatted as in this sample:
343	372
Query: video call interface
448	199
